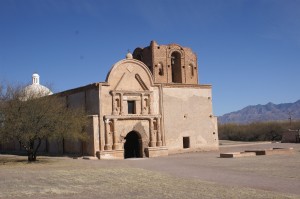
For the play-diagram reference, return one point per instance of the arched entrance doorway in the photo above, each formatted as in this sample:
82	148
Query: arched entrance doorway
133	145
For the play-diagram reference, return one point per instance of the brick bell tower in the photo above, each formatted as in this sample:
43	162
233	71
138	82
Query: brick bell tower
169	64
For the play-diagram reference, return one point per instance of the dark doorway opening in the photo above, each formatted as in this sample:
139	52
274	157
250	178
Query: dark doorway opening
132	145
186	142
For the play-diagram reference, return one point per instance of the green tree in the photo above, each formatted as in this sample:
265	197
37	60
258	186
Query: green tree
257	131
36	118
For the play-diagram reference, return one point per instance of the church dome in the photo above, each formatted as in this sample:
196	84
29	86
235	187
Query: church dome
35	89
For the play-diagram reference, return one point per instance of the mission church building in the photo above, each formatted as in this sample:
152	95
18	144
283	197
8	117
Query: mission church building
151	104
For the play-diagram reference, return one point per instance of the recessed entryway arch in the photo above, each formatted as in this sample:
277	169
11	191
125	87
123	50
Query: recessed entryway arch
133	145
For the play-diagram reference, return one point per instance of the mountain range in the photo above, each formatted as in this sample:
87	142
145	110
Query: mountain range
263	113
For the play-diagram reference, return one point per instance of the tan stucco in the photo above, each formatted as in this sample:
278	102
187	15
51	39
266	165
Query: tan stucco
188	113
153	96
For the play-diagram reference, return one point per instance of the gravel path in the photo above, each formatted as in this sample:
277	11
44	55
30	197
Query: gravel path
278	173
189	175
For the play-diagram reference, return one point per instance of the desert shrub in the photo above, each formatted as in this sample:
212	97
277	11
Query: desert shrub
258	131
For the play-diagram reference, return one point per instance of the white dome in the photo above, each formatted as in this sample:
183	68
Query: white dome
35	90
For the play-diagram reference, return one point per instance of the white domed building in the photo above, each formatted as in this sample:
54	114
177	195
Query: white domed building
35	90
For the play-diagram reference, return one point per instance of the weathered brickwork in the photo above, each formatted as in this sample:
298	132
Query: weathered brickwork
169	63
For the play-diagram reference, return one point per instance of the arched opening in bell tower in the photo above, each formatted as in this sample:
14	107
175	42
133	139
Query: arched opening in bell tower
176	67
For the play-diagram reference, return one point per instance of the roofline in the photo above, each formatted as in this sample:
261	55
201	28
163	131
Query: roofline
180	85
80	89
164	85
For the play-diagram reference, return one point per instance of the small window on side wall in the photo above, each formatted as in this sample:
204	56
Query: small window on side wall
160	69
131	107
186	142
191	69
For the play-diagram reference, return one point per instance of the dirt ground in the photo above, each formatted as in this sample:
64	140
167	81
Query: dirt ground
189	175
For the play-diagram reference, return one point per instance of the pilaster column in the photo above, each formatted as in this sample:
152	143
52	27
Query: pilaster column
107	144
152	136
159	142
114	105
121	104
115	138
150	103
163	139
142	104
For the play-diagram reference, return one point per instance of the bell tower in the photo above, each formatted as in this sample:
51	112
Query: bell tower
171	64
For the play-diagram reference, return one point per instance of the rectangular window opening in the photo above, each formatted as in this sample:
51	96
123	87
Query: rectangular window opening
131	107
186	142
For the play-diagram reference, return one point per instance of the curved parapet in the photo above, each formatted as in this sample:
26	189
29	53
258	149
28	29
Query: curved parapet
130	74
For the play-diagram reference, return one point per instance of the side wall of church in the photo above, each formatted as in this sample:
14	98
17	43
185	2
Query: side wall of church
188	119
89	100
105	109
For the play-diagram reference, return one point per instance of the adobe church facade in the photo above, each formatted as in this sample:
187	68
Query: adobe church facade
151	104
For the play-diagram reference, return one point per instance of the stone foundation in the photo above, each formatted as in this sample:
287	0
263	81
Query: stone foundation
237	154
272	151
110	154
247	153
156	151
119	154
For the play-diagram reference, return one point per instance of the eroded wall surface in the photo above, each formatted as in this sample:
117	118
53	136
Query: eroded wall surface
188	113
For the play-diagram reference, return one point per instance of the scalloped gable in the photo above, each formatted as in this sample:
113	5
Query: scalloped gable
130	74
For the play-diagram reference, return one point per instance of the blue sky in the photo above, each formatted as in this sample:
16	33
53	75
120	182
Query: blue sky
249	50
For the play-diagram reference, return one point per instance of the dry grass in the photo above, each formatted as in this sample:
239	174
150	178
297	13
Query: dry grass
68	178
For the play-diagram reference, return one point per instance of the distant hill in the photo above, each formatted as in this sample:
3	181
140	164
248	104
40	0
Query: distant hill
262	113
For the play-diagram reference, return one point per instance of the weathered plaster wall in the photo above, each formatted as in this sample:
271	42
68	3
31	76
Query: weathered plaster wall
188	113
92	101
76	100
89	100
91	146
